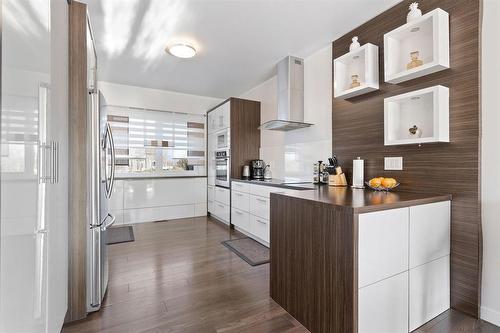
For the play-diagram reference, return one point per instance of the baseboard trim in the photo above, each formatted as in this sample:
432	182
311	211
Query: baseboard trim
490	316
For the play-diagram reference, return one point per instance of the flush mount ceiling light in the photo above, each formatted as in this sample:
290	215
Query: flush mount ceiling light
181	50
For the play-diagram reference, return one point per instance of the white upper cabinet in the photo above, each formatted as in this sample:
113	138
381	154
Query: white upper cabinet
356	72
418	48
417	117
219	118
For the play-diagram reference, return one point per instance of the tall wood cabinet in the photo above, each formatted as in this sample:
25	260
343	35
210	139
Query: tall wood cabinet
240	120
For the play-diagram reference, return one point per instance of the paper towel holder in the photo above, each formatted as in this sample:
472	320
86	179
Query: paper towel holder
358	168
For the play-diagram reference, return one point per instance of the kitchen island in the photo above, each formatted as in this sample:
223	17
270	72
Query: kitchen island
354	260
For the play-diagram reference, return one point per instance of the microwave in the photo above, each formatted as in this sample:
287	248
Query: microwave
222	139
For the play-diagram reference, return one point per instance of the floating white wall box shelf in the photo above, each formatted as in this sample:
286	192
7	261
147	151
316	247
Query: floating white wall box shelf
362	62
428	109
429	35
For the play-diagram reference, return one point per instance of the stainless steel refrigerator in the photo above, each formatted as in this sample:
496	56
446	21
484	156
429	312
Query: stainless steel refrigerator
102	171
101	166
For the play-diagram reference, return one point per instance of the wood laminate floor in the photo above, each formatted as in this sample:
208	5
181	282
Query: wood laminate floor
178	277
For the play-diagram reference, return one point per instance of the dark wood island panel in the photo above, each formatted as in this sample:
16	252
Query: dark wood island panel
319	294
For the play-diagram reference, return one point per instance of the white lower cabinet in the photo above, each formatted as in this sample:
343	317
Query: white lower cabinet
221	212
260	206
383	306
220	208
241	219
429	291
403	267
251	206
260	227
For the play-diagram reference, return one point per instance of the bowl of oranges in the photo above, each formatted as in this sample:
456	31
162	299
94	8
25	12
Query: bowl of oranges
382	184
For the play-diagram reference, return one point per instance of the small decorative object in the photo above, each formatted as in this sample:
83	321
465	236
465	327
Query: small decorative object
355	44
414	13
355	83
415	62
415	132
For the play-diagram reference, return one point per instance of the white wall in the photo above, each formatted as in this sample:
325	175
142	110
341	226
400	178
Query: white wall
490	303
123	95
292	154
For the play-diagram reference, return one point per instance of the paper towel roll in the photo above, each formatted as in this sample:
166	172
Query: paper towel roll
358	176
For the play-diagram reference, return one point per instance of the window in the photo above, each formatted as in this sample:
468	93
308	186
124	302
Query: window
153	141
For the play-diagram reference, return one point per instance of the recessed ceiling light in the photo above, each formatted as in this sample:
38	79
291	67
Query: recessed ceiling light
181	50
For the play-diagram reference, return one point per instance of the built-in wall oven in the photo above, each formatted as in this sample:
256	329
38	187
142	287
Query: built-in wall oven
222	167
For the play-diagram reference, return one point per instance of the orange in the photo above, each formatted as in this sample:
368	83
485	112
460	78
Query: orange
375	182
389	182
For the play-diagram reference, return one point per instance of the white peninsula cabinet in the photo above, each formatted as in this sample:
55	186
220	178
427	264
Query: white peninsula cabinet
250	209
403	267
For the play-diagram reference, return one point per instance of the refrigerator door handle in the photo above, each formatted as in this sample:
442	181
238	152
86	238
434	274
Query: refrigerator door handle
111	179
111	221
95	268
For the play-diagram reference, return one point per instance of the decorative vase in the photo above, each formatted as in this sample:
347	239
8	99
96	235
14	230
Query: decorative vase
415	132
415	61
355	44
355	83
414	13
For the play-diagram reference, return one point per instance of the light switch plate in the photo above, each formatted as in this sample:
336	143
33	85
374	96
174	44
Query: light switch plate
393	163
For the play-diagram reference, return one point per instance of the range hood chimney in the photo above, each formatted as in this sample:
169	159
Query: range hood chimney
290	96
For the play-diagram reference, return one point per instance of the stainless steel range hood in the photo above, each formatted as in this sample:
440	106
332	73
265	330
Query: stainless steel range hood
290	96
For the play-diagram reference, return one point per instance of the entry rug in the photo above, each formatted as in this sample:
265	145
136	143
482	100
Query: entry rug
249	250
118	235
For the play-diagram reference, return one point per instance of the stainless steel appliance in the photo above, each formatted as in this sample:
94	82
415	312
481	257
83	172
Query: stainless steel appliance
102	177
258	169
222	167
246	172
223	140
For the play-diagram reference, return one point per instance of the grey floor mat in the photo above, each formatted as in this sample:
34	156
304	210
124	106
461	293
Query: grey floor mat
249	250
118	235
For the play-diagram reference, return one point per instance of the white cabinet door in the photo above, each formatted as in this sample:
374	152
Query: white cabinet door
429	291
382	245
211	172
222	211
383	306
260	206
240	187
240	200
240	219
225	116
210	193
212	121
429	232
260	227
222	195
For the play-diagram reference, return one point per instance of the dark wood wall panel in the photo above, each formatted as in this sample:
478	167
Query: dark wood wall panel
358	130
77	219
312	235
245	134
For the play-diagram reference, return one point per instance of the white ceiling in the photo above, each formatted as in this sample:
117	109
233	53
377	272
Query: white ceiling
239	42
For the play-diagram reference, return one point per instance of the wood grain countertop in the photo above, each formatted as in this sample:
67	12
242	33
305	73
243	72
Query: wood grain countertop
365	200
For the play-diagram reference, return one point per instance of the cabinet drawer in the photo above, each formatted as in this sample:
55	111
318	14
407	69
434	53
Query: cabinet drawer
211	207
429	232
264	191
429	291
210	193
240	219
221	211
260	207
382	245
222	195
260	227
383	306
240	187
240	200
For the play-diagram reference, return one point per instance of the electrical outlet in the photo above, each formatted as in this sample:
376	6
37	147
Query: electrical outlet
393	163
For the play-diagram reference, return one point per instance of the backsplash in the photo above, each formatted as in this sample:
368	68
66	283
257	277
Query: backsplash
292	154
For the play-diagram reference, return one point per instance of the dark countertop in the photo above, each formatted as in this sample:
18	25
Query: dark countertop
366	200
279	183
